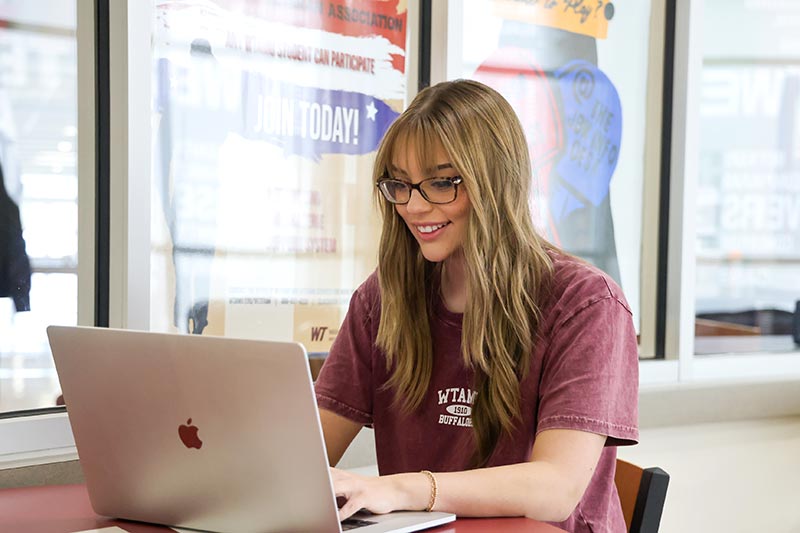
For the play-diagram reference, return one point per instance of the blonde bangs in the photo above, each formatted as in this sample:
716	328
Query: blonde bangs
421	135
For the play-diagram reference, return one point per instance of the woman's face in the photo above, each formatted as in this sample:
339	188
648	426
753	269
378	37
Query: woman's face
440	229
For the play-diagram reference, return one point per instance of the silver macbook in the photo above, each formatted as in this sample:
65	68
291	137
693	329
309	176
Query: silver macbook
206	433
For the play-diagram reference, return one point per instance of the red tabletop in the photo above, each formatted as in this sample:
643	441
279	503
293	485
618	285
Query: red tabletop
66	509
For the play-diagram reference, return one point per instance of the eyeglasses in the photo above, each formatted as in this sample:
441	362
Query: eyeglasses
434	190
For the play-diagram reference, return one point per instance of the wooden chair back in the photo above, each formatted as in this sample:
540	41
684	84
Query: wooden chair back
642	493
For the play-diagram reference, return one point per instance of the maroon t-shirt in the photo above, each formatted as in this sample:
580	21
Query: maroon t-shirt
583	375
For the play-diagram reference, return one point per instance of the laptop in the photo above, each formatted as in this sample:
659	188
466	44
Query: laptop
207	433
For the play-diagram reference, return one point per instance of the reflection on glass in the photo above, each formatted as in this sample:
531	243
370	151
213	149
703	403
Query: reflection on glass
577	79
15	267
266	117
748	201
38	199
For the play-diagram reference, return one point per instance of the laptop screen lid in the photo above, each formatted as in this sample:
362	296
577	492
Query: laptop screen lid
209	433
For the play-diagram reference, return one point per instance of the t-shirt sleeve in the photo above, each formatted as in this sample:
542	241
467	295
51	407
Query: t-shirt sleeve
590	375
345	383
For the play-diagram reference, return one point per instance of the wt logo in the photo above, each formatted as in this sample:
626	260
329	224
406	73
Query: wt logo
318	333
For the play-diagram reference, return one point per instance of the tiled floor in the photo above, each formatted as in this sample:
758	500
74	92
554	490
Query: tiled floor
732	477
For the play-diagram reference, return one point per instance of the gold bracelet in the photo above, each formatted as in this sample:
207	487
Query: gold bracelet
434	489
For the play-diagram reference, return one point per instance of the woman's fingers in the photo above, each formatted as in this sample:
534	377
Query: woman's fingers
360	492
345	486
351	507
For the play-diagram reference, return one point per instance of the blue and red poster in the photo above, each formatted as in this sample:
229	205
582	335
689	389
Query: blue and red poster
546	63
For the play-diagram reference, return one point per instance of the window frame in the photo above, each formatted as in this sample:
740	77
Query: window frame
113	217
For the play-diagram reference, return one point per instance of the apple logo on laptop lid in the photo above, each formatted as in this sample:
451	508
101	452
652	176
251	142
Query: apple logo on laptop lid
188	434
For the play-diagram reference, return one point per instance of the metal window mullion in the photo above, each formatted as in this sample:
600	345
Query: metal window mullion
684	168
130	55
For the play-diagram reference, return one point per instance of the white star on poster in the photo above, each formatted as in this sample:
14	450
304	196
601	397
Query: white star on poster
372	111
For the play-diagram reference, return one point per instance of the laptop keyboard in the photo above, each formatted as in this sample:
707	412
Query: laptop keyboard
354	523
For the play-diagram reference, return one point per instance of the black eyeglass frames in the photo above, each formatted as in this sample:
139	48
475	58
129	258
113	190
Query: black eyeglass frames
434	190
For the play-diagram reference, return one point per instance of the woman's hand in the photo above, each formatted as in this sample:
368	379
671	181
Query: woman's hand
548	487
380	495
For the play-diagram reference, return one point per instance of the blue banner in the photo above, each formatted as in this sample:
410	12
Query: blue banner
311	122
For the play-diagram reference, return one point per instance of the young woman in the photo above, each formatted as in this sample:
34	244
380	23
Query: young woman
498	372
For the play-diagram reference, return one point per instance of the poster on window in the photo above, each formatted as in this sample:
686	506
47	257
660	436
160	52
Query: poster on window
266	119
576	73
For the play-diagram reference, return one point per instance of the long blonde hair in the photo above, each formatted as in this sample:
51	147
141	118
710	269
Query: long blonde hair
507	265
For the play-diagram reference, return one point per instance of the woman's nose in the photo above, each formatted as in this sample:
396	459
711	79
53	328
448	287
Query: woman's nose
416	203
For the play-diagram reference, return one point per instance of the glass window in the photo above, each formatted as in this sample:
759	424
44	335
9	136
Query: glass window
577	76
748	196
266	116
38	198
